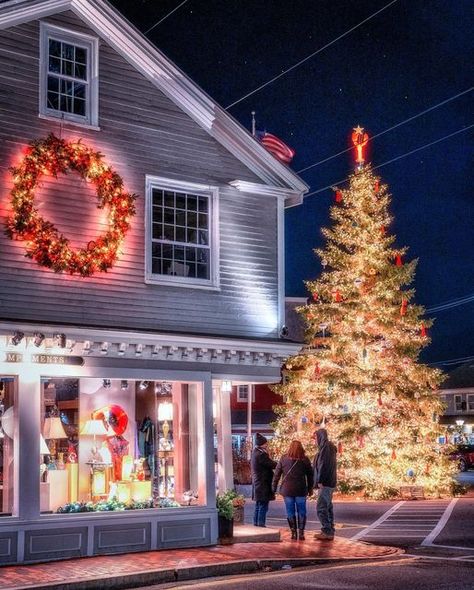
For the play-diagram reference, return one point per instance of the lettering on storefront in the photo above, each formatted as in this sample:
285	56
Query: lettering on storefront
54	359
13	357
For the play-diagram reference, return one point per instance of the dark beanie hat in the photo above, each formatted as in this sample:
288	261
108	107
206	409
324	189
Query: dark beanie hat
260	439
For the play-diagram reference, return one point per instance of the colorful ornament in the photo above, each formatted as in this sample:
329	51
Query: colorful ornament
410	473
377	186
398	260
339	448
423	331
393	456
337	296
358	282
317	370
361	441
403	307
379	400
44	243
338	196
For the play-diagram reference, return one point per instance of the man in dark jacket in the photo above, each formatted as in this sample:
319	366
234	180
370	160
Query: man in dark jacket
262	476
325	479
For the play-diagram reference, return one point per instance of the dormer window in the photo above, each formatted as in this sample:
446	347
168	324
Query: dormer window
69	77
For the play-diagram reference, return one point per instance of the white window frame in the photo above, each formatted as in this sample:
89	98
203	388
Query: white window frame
244	398
458	400
91	44
470	402
212	192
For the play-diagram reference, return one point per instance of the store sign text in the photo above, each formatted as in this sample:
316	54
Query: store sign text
45	359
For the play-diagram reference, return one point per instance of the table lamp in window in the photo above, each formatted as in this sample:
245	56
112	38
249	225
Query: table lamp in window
53	430
94	428
165	415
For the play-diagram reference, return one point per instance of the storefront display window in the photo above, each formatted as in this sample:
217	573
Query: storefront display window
121	445
8	430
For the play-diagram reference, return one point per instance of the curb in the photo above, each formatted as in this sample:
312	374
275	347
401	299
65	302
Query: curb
148	578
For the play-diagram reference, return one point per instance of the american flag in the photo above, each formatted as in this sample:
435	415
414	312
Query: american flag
276	146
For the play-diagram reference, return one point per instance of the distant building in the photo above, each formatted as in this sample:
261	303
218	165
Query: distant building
458	394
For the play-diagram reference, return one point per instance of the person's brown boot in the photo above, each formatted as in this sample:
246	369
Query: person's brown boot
322	536
301	527
292	525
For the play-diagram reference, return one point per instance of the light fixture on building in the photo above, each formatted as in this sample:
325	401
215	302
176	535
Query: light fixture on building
17	338
226	386
460	423
122	348
104	347
38	338
138	349
124	384
163	388
59	340
165	415
284	332
143	385
106	383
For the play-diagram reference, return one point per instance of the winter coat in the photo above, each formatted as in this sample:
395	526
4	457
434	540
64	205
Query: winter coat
324	464
262	475
297	477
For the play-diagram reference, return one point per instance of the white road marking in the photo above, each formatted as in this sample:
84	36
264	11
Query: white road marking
372	526
441	524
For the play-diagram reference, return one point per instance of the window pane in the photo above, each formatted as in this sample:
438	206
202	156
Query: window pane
158	214
169	199
202	271
180	234
53	101
203	202
67	68
180	218
168	232
157	231
203	220
191	203
179	253
79	90
81	55
54	48
65	104
79	107
66	87
169	215
157	197
191	236
80	71
67	51
53	84
191	219
8	420
54	65
203	237
180	201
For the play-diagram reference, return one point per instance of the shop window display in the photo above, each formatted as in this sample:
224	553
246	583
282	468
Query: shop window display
7	440
121	445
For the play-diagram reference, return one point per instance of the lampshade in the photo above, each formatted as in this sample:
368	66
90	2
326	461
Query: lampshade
53	428
226	386
95	428
43	446
165	411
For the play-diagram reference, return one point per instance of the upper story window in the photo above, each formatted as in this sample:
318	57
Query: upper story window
182	228
69	76
470	402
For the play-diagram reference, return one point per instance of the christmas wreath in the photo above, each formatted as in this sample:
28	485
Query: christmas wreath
44	243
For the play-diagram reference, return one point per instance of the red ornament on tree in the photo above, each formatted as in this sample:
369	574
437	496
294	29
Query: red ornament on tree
403	307
317	370
379	400
423	331
339	448
398	260
337	296
338	196
361	442
393	455
377	186
382	229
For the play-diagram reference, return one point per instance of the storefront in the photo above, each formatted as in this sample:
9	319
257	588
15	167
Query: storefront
107	439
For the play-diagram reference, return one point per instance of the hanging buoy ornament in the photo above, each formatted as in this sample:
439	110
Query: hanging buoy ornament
398	260
377	186
379	400
337	296
338	196
423	331
403	307
317	370
393	455
339	448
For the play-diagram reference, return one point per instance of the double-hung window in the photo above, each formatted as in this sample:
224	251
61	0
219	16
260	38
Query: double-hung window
243	393
69	77
182	233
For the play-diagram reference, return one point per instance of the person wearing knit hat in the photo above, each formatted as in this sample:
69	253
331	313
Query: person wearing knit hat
262	475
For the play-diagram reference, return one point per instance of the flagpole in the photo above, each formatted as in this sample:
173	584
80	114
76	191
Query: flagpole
253	123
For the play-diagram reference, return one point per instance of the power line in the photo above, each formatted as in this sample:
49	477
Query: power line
390	128
310	56
457	361
451	304
394	159
164	18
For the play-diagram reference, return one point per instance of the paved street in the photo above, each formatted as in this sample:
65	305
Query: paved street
403	573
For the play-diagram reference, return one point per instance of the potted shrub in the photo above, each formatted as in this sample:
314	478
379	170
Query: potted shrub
225	514
238	502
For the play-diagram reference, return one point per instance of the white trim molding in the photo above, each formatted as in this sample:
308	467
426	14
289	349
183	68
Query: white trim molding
290	197
212	193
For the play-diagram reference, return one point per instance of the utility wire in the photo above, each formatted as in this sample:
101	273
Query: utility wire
390	128
310	56
457	361
320	190
450	304
164	18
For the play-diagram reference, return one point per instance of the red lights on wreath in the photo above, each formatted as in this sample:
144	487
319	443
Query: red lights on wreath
44	243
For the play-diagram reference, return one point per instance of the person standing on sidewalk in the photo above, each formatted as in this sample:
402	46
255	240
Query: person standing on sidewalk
262	475
325	479
296	475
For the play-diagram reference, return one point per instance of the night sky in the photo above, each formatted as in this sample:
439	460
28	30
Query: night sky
410	57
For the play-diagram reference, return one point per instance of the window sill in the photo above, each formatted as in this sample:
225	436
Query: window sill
185	284
68	122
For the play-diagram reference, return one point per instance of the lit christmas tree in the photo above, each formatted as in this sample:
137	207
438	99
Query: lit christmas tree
359	372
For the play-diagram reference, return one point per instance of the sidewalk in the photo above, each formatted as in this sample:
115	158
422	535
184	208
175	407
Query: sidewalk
140	569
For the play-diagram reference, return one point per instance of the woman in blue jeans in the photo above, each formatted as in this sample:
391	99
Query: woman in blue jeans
296	473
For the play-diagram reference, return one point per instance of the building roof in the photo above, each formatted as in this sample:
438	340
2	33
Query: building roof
109	24
460	378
